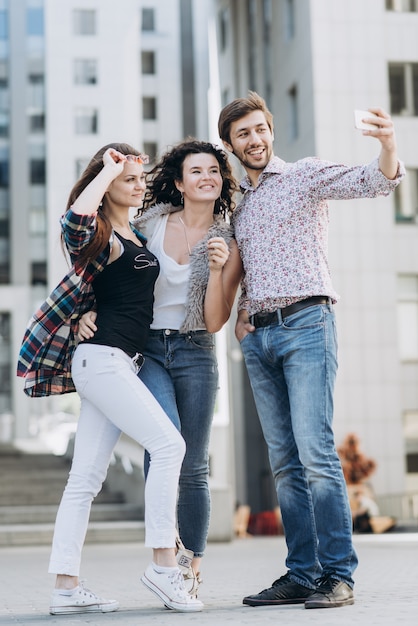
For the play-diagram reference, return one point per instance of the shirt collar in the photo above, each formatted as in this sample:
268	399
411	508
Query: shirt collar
274	166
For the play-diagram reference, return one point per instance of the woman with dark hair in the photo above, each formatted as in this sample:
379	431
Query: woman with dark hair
110	260
189	194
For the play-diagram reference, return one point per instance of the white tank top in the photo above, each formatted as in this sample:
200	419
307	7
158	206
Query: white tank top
170	292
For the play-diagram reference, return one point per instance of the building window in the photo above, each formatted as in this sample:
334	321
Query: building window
405	6
403	85
289	19
5	362
84	22
148	19
35	21
410	431
408	317
4	27
149	108
151	148
223	28
292	97
36	123
406	198
4	124
4	255
4	273
4	174
4	228
37	221
85	71
225	97
36	89
80	166
37	171
148	62
86	121
39	273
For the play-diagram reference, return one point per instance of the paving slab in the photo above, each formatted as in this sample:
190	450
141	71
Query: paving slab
386	585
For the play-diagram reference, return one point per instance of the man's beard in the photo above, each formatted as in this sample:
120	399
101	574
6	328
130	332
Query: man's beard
255	166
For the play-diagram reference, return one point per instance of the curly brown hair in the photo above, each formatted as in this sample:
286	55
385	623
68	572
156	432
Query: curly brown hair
161	179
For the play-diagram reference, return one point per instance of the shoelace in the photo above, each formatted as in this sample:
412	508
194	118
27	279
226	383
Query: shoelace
283	580
195	579
326	583
84	589
178	582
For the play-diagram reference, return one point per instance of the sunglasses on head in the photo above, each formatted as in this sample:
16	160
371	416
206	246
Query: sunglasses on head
142	159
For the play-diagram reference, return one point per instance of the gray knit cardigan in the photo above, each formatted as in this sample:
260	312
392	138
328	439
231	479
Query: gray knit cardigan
199	266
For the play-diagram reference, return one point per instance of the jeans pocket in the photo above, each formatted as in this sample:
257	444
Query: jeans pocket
204	341
306	318
241	341
79	373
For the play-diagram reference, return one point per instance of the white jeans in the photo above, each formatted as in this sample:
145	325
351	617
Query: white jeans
114	400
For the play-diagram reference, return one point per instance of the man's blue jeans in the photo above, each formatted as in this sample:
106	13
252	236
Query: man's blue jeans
181	371
292	366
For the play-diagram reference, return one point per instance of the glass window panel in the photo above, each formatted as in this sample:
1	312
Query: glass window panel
35	21
37	171
415	87
148	19
408	330
39	274
85	71
86	121
4	27
149	108
148	62
80	166
37	221
406	198
150	148
84	22
290	19
397	89
37	122
4	173
293	113
4	272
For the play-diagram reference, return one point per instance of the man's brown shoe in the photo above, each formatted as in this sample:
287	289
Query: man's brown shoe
283	591
330	593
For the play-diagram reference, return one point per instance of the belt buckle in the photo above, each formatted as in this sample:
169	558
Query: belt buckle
264	318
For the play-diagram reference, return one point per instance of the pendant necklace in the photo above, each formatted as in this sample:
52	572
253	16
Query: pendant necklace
185	235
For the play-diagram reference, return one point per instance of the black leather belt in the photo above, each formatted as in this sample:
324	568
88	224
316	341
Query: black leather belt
265	318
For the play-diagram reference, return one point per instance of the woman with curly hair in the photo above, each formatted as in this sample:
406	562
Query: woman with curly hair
189	194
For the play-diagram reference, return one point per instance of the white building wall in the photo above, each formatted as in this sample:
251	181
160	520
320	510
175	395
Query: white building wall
116	97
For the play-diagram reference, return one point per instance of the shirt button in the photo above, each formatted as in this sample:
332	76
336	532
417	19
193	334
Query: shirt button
167	331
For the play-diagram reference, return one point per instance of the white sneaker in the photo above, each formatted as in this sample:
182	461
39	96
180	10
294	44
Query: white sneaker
192	582
169	587
80	601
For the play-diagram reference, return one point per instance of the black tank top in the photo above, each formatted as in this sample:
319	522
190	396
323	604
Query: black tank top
124	293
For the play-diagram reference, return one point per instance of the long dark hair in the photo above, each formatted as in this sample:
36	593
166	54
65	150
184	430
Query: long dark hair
161	179
103	227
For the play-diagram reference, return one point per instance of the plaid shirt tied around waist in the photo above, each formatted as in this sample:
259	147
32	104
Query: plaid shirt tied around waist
51	336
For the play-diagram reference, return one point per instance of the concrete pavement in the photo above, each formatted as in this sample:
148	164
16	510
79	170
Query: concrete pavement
386	585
